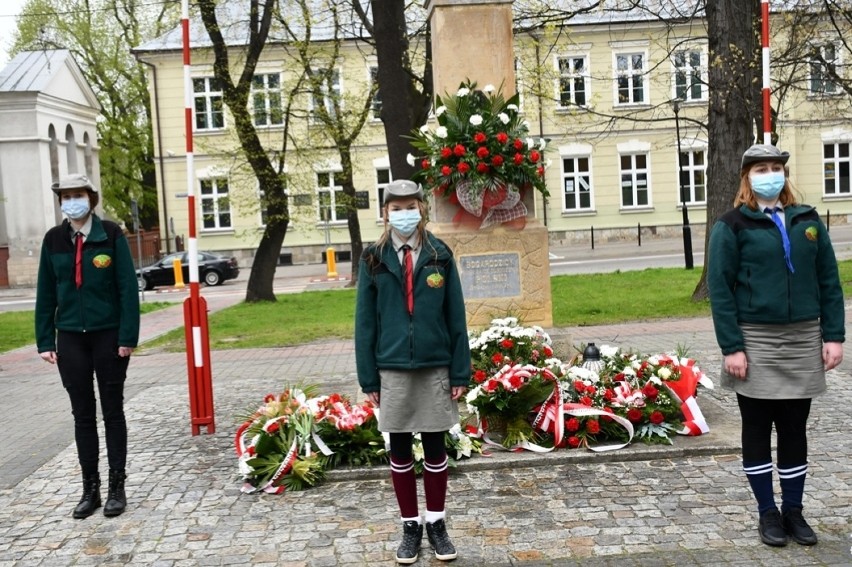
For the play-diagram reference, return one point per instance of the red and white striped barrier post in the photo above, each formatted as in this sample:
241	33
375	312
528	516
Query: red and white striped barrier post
764	33
194	307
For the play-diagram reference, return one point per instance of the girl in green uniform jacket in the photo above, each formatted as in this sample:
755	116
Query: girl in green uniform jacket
778	312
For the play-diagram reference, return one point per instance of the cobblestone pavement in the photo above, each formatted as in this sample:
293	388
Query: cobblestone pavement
683	505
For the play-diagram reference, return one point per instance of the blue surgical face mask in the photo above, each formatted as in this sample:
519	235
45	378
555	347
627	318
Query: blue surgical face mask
405	222
767	185
76	208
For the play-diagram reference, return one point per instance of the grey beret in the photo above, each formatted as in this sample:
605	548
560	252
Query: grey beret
74	181
402	189
763	152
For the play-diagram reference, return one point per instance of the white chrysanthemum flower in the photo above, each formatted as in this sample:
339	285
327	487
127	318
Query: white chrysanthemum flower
530	142
628	371
664	373
465	447
425	128
245	468
410	159
504	118
608	351
440	110
455	430
476	119
441	132
473	394
489	88
512	107
463	92
655	380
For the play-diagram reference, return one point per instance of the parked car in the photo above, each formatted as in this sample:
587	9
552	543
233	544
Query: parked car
212	270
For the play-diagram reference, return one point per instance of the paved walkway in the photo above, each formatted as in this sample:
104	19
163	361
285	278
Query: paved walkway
683	505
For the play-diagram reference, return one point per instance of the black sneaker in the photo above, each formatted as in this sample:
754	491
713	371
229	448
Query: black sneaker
408	550
440	540
797	528
771	529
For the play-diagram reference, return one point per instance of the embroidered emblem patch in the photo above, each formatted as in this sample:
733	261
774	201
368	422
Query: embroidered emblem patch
102	261
811	233
435	280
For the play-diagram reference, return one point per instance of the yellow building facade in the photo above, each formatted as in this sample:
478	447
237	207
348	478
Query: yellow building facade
603	91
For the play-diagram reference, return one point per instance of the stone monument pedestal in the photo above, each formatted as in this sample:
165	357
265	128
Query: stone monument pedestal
504	272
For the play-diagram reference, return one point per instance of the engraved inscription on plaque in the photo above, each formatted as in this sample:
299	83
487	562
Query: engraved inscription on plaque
490	275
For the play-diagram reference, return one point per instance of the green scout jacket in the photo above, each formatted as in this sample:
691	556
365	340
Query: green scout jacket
387	337
108	297
749	281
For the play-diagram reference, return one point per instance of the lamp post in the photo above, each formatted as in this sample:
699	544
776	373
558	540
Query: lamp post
687	230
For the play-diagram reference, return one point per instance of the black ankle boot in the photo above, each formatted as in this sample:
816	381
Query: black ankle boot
116	499
91	499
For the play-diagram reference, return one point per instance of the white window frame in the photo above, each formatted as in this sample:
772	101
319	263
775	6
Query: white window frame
209	97
328	100
689	71
376	102
578	178
832	167
333	191
215	199
266	95
689	170
572	76
631	150
380	186
631	75
813	64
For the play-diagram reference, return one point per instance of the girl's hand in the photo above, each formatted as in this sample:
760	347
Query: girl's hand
458	391
48	356
736	365
124	351
832	355
373	397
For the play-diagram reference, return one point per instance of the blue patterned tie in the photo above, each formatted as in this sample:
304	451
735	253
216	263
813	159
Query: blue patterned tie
785	240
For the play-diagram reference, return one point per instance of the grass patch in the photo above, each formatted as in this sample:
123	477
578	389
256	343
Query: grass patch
598	299
294	319
17	328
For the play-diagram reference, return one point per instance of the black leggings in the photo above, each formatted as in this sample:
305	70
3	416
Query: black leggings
433	446
790	418
81	358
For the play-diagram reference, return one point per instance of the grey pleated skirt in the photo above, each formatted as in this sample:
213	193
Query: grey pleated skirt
784	362
416	401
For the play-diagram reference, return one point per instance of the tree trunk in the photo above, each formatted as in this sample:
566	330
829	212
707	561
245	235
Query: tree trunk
404	106
262	275
356	242
235	96
734	79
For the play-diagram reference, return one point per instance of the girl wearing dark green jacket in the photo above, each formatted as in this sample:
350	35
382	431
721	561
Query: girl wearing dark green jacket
413	357
778	312
87	323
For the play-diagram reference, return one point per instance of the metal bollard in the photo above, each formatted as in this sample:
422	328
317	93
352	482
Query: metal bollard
178	273
331	262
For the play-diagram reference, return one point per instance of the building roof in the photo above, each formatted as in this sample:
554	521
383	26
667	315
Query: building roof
233	22
32	71
47	71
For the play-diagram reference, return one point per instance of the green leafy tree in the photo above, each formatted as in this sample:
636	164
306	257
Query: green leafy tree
100	35
236	80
